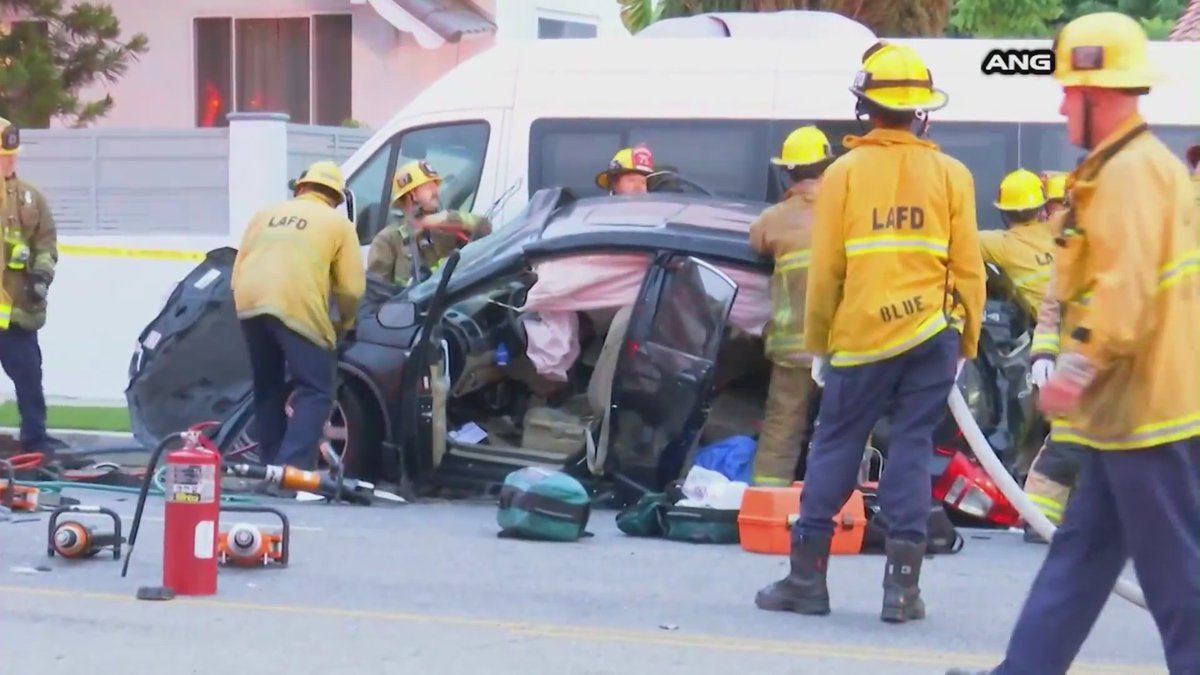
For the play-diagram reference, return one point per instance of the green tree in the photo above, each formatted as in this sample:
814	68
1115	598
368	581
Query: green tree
50	56
896	18
1156	16
1005	18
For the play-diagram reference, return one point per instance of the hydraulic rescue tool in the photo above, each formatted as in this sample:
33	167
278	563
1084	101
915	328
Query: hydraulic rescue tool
75	539
16	497
290	478
249	545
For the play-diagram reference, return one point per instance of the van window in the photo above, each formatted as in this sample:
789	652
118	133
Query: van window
989	150
368	185
456	151
723	156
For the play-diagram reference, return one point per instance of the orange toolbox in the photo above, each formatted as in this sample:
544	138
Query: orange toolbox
767	514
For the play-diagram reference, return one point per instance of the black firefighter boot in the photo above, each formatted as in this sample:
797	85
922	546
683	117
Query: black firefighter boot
803	590
901	590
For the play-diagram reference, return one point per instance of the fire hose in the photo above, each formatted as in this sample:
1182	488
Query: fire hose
1008	485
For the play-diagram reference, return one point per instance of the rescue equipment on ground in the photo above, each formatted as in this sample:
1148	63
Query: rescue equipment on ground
768	513
1008	485
684	513
544	505
76	539
966	487
250	545
191	514
12	496
1021	190
333	487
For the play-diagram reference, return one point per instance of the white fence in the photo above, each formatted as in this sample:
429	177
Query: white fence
117	182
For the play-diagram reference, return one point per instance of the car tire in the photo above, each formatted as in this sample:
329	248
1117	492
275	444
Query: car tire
364	432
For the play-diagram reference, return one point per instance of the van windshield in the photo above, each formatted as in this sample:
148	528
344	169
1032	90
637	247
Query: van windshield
504	241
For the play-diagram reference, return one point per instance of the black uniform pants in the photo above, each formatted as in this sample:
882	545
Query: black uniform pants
275	352
1142	504
21	358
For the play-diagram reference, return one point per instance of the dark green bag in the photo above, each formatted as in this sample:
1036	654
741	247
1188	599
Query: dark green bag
543	505
701	525
645	518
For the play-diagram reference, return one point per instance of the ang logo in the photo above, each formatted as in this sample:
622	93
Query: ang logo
1018	62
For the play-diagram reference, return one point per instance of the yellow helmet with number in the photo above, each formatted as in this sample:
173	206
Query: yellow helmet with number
327	175
10	138
894	77
637	159
1105	50
1021	190
804	146
412	176
1055	184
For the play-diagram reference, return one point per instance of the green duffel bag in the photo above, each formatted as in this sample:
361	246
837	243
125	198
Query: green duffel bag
701	525
645	518
543	505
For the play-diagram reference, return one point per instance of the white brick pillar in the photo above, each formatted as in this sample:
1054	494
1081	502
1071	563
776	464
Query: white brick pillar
258	166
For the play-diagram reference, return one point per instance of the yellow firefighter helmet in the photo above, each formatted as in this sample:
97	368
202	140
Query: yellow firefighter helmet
1021	190
1106	50
894	77
412	176
637	159
327	175
10	138
804	146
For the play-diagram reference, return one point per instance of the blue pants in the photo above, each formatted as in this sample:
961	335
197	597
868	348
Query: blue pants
1141	504
275	352
913	387
21	358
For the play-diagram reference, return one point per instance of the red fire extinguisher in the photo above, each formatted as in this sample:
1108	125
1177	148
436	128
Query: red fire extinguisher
193	507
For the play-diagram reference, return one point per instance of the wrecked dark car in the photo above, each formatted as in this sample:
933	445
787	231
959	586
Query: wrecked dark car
608	336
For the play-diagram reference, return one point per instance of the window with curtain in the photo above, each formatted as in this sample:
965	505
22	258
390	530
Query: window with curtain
299	66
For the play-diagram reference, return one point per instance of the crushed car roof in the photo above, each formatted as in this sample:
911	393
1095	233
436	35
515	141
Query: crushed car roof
653	210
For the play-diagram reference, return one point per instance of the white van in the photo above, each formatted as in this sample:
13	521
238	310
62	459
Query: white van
522	117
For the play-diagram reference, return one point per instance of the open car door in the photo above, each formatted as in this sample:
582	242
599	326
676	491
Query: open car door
664	372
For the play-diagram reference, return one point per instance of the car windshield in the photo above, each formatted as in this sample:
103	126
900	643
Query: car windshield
505	239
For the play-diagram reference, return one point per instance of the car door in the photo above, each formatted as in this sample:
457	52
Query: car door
663	379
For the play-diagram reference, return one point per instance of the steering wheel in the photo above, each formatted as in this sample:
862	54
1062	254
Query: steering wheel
671	177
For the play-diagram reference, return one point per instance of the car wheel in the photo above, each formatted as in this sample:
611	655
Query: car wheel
352	433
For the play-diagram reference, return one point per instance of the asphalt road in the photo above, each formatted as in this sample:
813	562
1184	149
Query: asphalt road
429	588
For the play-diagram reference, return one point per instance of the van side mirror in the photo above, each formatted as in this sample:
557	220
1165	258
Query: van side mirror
397	314
348	203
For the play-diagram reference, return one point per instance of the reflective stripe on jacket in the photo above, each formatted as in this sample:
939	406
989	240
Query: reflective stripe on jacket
895	252
1128	273
1046	338
784	232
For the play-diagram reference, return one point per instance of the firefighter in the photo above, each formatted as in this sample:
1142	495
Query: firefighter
894	304
436	233
783	232
31	254
1126	387
1023	251
1055	185
628	171
293	257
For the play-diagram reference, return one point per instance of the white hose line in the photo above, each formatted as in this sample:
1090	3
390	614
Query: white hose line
1042	525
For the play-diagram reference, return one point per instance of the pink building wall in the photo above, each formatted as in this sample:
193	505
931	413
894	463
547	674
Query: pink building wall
389	67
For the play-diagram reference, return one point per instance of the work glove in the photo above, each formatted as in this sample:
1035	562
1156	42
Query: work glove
1072	374
1040	371
36	286
818	370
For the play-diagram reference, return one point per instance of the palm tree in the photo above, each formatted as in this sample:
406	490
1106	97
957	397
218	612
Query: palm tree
896	18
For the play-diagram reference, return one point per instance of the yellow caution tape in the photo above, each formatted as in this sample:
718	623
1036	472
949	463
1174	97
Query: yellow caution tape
117	252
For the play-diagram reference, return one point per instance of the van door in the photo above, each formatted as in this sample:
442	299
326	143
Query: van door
664	374
466	150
